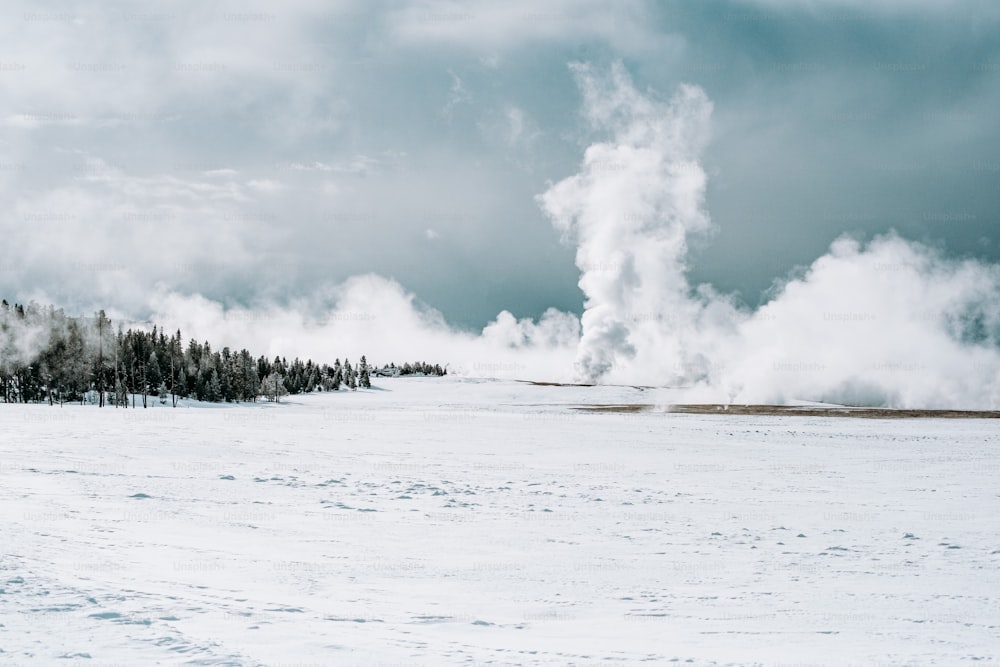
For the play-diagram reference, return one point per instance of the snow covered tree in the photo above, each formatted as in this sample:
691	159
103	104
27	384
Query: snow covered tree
251	380
273	387
365	379
91	359
153	377
350	379
213	389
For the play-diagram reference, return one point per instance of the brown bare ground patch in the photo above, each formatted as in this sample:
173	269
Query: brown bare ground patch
626	407
555	384
797	411
539	383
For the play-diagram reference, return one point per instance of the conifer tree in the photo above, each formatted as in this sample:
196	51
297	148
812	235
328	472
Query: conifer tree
213	388
365	379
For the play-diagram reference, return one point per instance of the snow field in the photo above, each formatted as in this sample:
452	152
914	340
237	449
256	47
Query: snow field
448	521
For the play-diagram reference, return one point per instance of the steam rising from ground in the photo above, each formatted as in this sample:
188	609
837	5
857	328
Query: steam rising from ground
377	317
630	211
890	323
893	323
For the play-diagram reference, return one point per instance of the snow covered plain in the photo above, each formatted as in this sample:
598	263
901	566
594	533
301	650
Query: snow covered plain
442	521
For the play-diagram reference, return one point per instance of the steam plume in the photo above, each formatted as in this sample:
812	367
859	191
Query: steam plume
891	323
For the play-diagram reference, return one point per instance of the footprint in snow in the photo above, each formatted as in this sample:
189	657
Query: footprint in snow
106	615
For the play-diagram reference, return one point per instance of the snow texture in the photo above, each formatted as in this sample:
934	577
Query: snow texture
452	521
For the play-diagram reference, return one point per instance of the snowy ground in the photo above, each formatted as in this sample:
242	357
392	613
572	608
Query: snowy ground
441	521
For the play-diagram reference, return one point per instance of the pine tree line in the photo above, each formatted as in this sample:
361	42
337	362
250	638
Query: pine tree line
416	368
47	356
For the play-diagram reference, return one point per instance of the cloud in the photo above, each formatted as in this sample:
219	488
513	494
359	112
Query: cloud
458	95
943	7
265	185
104	237
488	26
514	131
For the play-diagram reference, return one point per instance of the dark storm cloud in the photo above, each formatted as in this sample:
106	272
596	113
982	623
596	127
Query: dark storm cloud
838	116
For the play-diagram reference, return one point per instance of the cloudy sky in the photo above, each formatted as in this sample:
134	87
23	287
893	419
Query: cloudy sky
259	153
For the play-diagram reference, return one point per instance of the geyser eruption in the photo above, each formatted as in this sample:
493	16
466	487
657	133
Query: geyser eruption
630	210
893	323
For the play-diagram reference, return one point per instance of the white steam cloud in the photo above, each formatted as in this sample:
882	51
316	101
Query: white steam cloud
377	317
893	323
630	211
